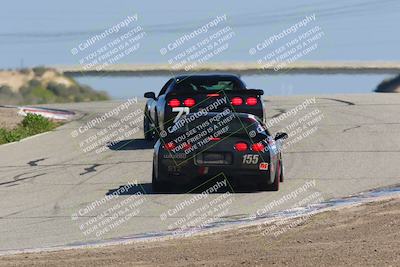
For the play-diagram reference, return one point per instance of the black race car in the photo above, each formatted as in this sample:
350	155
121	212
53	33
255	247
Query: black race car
186	94
203	145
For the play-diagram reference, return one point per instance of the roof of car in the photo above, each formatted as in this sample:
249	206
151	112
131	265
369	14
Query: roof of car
221	75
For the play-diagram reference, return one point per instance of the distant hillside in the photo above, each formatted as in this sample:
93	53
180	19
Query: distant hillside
389	86
42	85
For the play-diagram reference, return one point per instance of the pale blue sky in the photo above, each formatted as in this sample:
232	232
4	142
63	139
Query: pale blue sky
43	32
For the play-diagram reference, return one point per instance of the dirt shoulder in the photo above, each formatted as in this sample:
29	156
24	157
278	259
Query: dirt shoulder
9	118
363	236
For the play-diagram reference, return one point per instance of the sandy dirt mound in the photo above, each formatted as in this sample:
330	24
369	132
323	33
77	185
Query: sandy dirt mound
16	79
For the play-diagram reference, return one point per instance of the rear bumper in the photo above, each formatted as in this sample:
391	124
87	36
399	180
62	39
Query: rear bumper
182	173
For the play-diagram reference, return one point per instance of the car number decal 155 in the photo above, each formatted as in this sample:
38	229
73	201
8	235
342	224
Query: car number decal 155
250	159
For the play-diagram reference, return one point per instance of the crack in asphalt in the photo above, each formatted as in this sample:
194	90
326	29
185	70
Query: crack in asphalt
351	128
77	164
16	178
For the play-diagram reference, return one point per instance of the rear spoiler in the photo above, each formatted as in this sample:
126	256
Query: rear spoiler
237	92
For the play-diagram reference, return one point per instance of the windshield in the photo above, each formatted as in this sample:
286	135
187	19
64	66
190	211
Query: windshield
208	83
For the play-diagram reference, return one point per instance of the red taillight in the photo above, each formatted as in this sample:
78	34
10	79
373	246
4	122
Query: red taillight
236	101
174	103
187	146
189	102
251	101
241	146
215	138
212	95
169	146
258	147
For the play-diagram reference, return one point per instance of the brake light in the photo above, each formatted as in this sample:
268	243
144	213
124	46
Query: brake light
258	147
189	102
251	101
187	146
212	95
215	138
241	146
169	146
174	103
236	101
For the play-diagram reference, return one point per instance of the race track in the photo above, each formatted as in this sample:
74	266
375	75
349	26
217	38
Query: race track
46	179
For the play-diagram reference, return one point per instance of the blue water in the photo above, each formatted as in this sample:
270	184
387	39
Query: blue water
125	87
44	32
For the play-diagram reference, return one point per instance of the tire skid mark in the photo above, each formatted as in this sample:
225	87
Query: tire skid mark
340	100
351	128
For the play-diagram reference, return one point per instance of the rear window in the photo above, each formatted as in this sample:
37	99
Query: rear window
208	84
225	123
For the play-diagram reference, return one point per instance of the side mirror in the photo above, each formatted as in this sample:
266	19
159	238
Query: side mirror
151	95
280	135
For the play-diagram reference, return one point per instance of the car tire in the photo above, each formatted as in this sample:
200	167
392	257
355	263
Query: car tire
158	186
271	187
156	130
148	133
281	174
275	185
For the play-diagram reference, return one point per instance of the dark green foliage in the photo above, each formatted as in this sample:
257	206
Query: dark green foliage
39	71
24	71
7	96
389	85
32	124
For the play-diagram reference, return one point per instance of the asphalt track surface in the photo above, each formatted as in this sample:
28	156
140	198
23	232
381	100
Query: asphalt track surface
46	179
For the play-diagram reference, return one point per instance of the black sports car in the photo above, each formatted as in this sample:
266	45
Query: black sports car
186	94
203	145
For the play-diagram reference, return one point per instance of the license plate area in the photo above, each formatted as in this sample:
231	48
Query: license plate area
214	158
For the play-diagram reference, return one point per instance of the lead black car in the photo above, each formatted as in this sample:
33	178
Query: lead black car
239	146
187	94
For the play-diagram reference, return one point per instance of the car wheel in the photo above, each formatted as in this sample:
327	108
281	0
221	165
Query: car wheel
148	133
274	186
157	186
282	171
156	128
